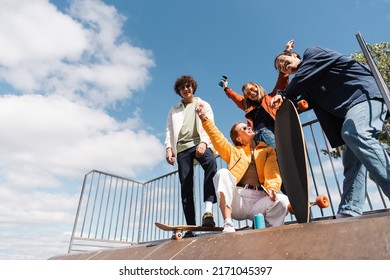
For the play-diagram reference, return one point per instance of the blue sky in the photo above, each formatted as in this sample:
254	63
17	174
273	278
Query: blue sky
87	84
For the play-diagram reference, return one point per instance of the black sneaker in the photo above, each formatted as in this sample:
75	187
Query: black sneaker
208	220
189	234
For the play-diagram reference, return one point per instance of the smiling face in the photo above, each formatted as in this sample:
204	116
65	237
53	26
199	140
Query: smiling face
241	134
253	91
186	92
186	86
287	64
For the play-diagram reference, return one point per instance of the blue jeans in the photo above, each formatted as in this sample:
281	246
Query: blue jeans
266	135
360	131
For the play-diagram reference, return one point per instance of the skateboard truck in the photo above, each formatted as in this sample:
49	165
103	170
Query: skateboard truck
322	201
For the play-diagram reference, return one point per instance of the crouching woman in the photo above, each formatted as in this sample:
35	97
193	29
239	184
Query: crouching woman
251	183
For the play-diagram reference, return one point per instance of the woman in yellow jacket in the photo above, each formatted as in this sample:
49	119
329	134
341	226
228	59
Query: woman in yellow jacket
252	181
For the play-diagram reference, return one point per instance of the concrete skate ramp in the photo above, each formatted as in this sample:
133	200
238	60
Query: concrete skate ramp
365	237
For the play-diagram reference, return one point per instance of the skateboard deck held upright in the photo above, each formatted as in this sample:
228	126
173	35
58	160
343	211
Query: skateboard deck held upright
291	154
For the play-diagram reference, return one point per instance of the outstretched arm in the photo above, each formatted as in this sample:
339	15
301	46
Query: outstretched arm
237	98
220	142
200	110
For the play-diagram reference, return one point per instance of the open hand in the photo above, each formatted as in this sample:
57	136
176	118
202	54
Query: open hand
201	149
290	45
276	101
200	110
272	195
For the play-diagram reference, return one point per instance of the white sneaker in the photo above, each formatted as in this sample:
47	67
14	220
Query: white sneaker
228	227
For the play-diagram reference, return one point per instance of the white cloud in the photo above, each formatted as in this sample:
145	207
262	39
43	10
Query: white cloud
84	56
65	70
68	138
33	30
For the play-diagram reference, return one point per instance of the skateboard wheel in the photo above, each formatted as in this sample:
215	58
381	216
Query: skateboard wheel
290	209
322	201
302	105
178	235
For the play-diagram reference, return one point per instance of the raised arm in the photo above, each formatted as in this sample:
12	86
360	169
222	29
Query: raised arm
281	84
283	79
220	142
237	98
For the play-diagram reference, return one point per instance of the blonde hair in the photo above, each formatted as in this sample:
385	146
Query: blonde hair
261	93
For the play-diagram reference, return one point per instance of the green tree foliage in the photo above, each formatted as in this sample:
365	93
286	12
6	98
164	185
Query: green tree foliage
381	54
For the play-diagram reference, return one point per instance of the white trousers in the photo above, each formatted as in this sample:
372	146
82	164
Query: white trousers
245	203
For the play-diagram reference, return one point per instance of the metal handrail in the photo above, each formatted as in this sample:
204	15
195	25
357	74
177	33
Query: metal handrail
116	211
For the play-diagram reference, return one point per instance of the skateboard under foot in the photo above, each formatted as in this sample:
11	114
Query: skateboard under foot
177	231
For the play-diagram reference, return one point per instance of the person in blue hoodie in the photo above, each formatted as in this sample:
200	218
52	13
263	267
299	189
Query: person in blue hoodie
350	108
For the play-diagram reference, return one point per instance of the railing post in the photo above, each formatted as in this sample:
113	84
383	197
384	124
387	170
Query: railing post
77	212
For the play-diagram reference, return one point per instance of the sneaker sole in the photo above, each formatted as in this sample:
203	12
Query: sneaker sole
208	224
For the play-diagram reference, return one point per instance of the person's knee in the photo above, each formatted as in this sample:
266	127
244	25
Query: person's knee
222	172
208	158
353	135
346	135
283	201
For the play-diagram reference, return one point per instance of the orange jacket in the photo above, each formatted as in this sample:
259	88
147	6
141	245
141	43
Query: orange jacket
239	99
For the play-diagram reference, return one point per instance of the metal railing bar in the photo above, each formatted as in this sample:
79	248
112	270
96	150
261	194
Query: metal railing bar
117	210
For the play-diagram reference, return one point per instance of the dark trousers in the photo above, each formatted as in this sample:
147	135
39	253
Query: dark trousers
185	161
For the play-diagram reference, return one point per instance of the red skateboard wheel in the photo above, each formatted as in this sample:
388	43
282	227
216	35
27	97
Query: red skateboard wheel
302	105
322	201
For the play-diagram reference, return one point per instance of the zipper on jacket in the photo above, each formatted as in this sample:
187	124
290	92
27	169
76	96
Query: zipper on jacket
235	164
